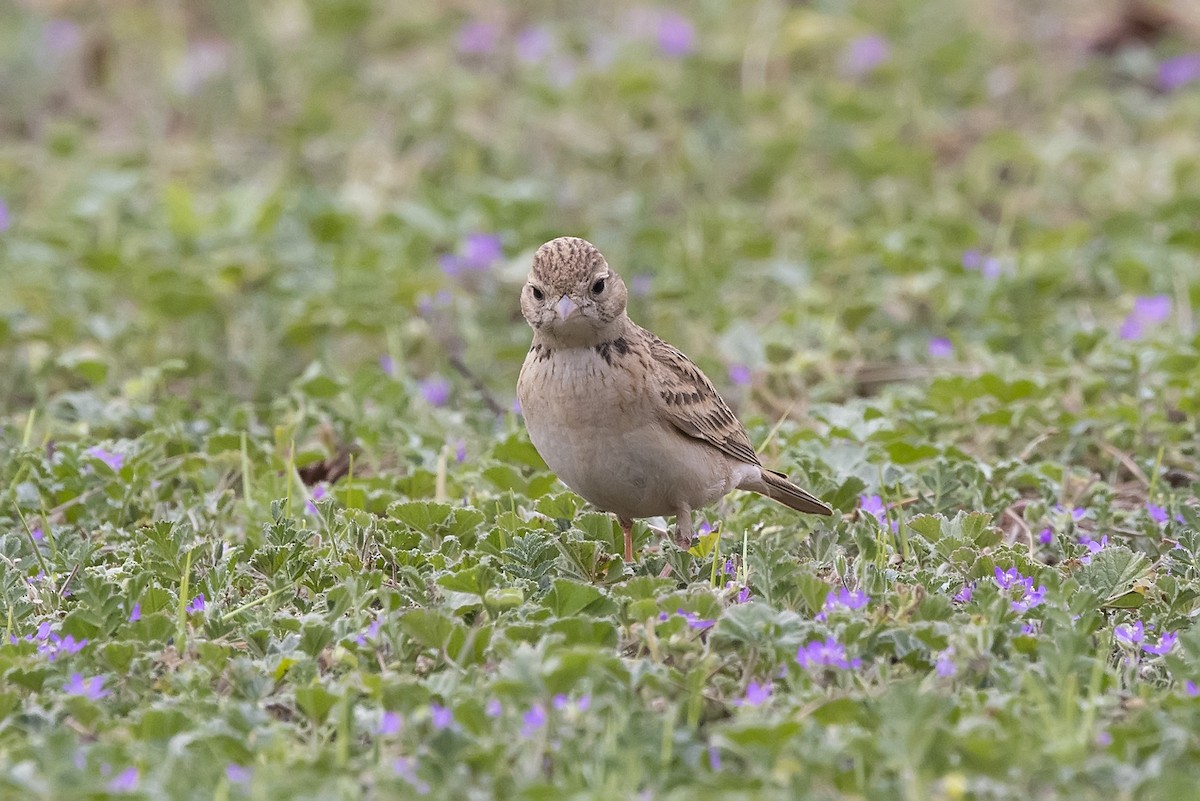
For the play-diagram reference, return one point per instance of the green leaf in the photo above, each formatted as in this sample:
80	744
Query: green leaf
567	598
1113	571
315	702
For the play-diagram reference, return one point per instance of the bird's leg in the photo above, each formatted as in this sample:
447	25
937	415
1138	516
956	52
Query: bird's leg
683	528
627	530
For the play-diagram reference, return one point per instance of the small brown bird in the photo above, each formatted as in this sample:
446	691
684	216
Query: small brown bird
623	418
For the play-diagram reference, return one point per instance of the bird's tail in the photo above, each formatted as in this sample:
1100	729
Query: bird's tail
777	487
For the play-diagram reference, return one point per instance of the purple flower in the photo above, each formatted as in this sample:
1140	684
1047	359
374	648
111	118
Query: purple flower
440	716
940	348
1165	644
945	666
37	534
435	391
756	694
533	720
125	782
61	36
972	259
1031	597
739	375
964	595
389	724
5	217
196	604
714	758
829	653
1190	688
135	614
1092	546
406	768
704	528
1157	513
584	703
864	54
388	365
113	460
730	567
992	268
1028	629
480	251
1103	739
315	494
676	34
1147	311
236	774
560	702
92	689
1046	536
1077	512
493	709
1008	578
533	45
1178	71
743	595
842	598
477	38
695	621
1132	635
641	285
55	646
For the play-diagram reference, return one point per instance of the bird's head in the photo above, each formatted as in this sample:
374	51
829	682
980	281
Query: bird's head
572	297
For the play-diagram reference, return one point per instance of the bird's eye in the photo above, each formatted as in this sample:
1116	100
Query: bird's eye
537	293
598	287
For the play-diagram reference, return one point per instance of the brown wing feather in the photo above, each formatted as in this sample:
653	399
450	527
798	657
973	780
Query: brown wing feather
692	405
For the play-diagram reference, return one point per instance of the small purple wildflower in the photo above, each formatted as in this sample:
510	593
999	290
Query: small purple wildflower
1147	311
1179	71
236	774
493	708
1190	688
125	782
435	391
1164	646
1157	513
739	375
406	768
641	285
944	666
478	38
560	702
388	365
695	621
992	268
460	451
92	689
55	646
135	614
533	45
842	598
315	494
37	534
940	348
441	717
972	259
1028	629
756	694
1031	598
1103	739
533	720
1046	536
197	604
1093	547
1132	635
5	217
390	723
705	528
516	407
676	35
730	566
743	595
714	758
829	653
113	460
584	703
480	251
873	505
1008	578
964	595
864	55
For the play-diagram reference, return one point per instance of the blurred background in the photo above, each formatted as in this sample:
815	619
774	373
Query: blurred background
814	199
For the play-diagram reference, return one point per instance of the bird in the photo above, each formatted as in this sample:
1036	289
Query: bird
624	419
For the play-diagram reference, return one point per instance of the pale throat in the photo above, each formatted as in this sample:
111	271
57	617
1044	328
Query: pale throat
581	336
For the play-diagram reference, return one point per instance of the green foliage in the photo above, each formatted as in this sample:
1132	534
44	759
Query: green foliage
271	528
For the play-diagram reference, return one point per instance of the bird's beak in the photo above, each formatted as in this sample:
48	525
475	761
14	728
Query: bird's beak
565	308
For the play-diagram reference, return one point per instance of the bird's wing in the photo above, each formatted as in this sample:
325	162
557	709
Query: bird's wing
690	403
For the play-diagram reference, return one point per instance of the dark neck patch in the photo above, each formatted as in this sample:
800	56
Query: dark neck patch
542	352
613	348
